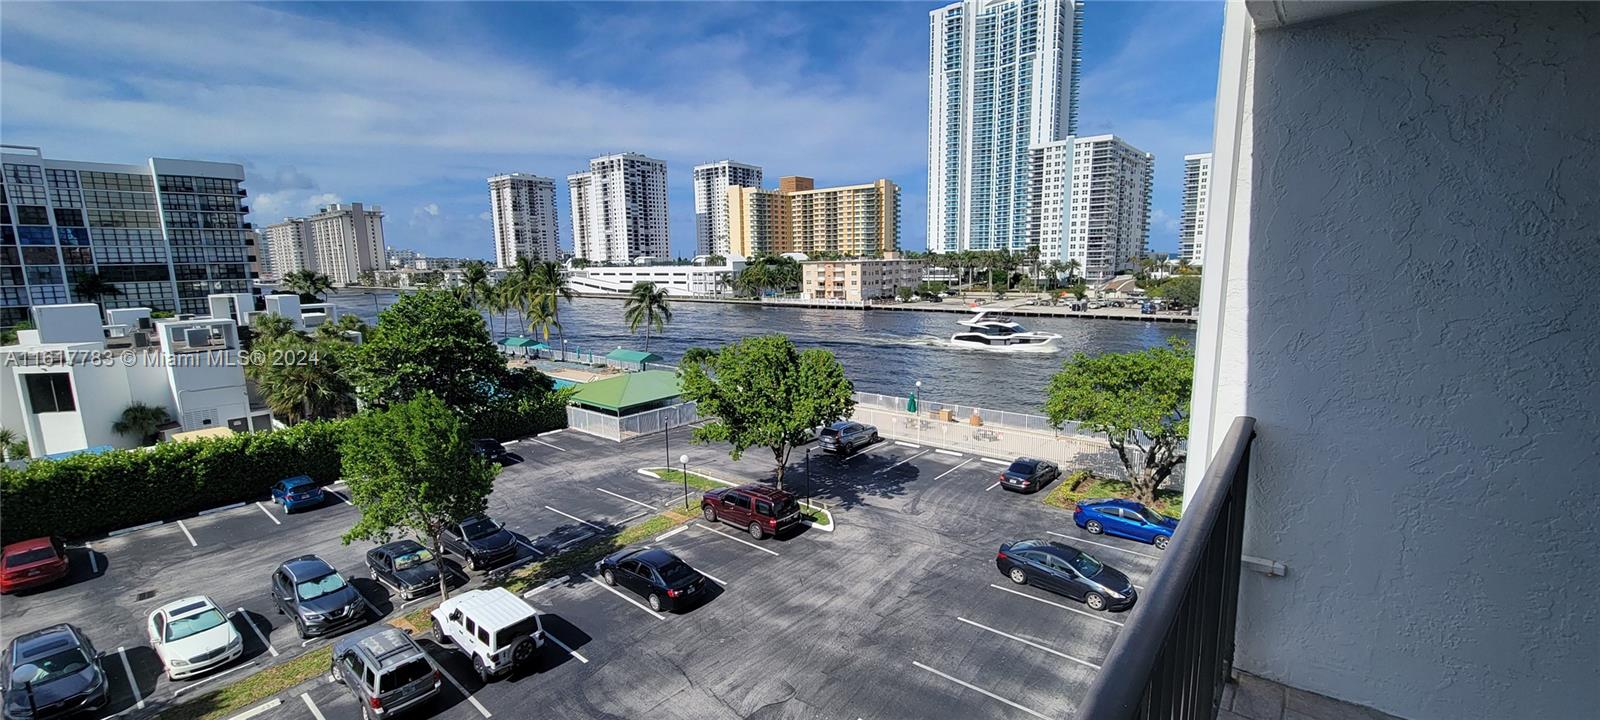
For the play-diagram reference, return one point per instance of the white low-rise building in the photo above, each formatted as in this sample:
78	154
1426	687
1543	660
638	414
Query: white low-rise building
682	280
67	382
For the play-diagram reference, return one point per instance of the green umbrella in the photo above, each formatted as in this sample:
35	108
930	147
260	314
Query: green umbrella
911	403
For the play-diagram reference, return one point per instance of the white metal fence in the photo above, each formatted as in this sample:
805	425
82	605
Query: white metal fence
622	428
964	413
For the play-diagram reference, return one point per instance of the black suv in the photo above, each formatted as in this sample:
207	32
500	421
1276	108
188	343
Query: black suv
480	541
316	596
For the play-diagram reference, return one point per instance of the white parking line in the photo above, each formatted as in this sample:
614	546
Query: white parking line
991	487
550	432
535	550
619	594
997	462
730	537
541	442
259	634
1084	613
943	451
452	678
902	462
540	589
574	517
671	532
1109	547
570	651
342	497
312	706
136	528
970	686
1029	643
133	681
634	517
951	470
652	508
224	508
713	578
224	673
270	516
906	444
186	534
263	707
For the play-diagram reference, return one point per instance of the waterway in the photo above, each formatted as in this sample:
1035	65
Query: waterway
882	351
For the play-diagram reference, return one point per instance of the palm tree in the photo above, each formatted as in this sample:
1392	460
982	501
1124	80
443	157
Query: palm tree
542	316
474	283
8	444
308	282
92	287
499	300
548	286
1073	266
142	421
646	305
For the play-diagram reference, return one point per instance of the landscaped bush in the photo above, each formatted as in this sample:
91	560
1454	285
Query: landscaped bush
85	495
522	415
1085	484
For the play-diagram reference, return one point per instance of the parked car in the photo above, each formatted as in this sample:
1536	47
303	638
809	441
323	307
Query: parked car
192	636
297	492
1125	518
1028	475
664	581
52	673
404	566
480	541
846	437
32	563
1147	309
494	627
759	509
1065	570
385	670
489	449
315	596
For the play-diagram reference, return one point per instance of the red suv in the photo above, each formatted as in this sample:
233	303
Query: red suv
760	510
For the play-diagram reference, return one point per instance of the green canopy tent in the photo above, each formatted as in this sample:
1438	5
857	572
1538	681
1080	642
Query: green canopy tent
629	393
631	358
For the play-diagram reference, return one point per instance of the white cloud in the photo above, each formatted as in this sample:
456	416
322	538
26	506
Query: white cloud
430	209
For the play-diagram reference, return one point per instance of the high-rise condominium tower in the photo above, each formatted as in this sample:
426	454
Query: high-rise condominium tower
1196	199
166	233
347	240
619	209
1108	207
1002	78
711	183
286	246
523	208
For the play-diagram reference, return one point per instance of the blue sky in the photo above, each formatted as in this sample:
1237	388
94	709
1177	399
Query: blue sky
411	106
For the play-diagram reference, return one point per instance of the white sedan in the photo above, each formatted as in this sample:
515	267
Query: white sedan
192	636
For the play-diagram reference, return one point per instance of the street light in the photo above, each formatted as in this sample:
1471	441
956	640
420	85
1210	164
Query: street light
808	474
684	460
916	395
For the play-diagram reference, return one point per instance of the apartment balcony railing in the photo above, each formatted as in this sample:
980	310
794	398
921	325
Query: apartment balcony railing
1176	650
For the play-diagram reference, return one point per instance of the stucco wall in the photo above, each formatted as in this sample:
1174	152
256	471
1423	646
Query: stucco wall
1421	355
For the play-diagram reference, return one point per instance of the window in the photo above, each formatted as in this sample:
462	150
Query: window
32	215
763	508
50	392
66	216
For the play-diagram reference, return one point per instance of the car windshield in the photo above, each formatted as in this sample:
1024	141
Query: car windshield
1023	467
412	559
313	589
675	570
54	666
29	557
404	675
194	624
1085	564
475	528
1152	517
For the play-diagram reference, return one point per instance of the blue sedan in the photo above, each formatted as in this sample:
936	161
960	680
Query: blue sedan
297	492
1125	518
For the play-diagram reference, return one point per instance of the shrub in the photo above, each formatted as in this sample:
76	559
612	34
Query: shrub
85	495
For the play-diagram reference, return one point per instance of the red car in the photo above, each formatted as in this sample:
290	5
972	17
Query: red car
32	563
760	510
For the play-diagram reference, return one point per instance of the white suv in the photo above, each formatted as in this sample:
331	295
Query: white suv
494	627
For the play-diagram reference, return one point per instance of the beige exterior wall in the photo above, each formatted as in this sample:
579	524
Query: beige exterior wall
857	280
855	220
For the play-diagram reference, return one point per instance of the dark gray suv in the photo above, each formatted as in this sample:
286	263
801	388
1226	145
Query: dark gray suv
316	596
385	670
846	437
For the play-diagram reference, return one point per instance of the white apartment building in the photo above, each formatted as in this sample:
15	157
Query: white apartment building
523	209
1050	180
858	280
711	183
166	233
1196	200
286	244
679	280
1109	206
1002	78
619	209
67	382
347	241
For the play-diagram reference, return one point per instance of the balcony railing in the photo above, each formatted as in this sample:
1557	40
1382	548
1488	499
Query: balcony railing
1177	648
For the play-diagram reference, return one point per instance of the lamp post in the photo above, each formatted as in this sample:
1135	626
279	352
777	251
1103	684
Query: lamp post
808	474
684	460
914	395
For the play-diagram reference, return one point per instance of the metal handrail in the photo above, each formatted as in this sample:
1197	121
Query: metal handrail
1176	649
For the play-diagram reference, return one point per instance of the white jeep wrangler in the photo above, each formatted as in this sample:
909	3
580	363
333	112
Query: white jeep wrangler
493	627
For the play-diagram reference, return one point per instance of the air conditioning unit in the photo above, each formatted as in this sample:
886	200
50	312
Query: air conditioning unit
141	340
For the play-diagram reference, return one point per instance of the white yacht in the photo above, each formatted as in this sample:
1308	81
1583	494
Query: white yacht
996	332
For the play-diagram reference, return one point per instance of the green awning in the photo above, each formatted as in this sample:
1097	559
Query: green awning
629	390
518	341
633	356
537	346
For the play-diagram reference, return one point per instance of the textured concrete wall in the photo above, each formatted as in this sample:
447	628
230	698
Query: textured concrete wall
1422	356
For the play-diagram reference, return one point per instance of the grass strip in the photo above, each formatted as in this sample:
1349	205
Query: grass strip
703	483
254	688
1082	485
586	555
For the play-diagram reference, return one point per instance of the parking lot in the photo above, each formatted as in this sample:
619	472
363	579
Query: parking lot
897	613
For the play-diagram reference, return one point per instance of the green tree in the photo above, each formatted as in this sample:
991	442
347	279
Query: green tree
92	287
302	377
308	283
1140	400
474	285
142	421
427	341
904	293
1181	289
646	306
411	469
12	446
764	392
548	287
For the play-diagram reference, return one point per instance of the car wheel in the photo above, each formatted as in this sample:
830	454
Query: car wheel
286	507
874	439
1093	526
1094	601
1161	542
482	669
439	636
655	602
523	653
710	513
756	531
610	578
1018	576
